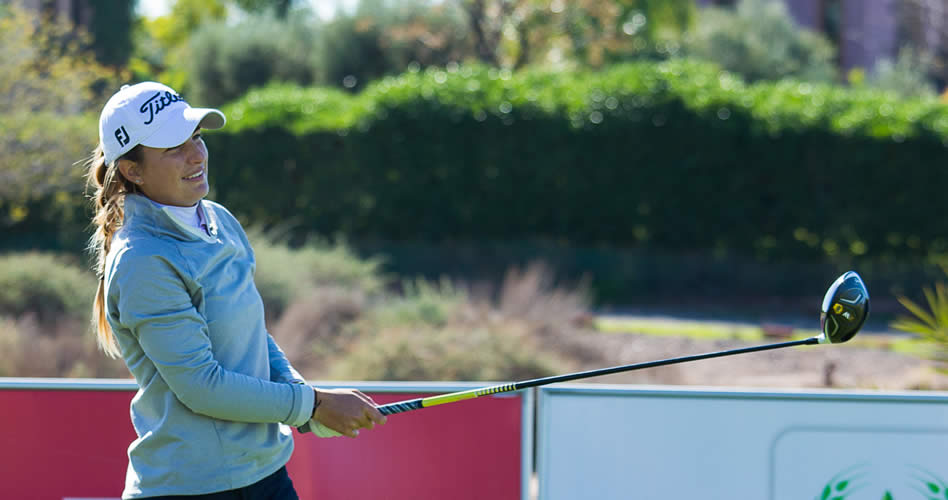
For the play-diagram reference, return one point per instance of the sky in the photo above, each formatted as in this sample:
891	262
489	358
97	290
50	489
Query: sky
324	8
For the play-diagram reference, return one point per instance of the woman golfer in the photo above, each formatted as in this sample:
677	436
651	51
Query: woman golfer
176	300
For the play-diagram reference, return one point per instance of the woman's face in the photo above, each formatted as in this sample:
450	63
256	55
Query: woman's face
173	176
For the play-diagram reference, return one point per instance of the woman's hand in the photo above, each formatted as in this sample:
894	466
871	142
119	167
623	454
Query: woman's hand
346	411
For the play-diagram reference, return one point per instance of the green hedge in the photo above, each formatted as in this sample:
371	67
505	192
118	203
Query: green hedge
675	156
653	177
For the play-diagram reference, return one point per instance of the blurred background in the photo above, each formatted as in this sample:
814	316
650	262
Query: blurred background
503	189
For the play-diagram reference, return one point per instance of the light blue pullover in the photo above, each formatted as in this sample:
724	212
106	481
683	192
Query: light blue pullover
217	397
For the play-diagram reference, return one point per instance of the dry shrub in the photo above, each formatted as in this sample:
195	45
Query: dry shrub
64	349
488	353
532	294
285	273
443	331
314	327
46	286
559	315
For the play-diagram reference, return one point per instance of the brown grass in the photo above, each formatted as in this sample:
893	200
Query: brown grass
314	328
65	348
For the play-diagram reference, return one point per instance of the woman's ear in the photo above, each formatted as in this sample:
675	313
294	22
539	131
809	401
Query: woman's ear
130	170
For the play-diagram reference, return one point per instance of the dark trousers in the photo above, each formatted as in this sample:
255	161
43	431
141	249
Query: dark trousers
276	486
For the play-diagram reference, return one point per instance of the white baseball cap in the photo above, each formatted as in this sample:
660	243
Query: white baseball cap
153	115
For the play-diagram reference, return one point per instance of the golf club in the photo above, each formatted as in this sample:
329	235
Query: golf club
843	312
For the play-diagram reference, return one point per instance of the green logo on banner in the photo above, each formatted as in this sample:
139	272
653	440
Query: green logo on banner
857	479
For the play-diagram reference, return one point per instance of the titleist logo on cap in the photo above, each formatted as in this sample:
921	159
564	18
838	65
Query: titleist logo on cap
158	102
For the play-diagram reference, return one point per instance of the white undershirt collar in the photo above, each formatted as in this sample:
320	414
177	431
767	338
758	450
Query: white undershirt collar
189	215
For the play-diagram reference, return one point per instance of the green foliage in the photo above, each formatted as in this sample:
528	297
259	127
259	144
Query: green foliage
227	60
760	41
303	110
161	45
673	156
592	33
930	323
47	91
606	32
45	285
383	37
907	75
112	26
278	7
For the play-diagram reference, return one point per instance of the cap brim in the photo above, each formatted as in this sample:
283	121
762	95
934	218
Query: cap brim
179	127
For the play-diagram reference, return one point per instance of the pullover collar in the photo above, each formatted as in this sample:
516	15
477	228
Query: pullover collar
139	210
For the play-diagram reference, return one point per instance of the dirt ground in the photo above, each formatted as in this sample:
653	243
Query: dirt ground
822	366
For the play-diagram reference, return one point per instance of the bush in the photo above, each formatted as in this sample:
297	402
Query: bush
285	274
412	353
316	327
674	157
383	38
228	60
46	285
435	331
421	303
907	75
759	40
520	330
631	173
64	349
48	87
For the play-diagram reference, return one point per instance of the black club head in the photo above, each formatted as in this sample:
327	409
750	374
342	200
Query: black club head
845	308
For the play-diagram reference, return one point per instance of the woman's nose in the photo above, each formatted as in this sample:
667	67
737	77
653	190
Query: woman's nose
197	153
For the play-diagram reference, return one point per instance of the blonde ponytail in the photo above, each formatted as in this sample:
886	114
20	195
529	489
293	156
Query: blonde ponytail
109	189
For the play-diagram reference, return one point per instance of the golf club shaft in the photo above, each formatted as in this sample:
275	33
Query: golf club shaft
419	403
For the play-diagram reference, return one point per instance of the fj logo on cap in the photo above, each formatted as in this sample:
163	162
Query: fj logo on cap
158	102
122	136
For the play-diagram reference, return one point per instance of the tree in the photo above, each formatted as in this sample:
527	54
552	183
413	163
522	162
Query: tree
280	8
226	60
161	44
47	101
922	35
113	22
605	32
760	41
487	21
384	37
906	75
514	33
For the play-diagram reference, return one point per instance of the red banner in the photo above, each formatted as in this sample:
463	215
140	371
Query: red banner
57	444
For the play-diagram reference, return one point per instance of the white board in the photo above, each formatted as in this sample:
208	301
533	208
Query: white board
611	442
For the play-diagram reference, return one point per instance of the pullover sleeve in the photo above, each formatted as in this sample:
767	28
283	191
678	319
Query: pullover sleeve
154	305
282	371
280	368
